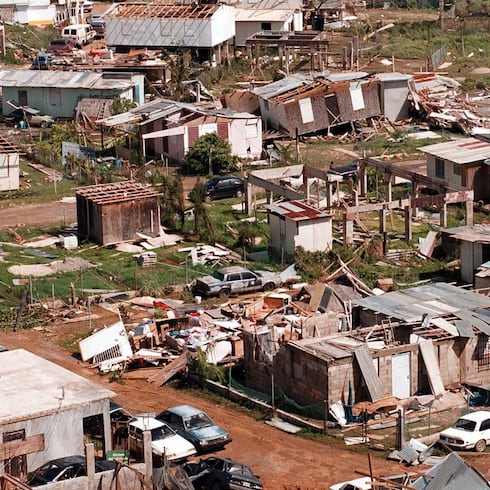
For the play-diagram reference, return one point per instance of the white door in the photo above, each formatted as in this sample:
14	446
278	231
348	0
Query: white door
400	375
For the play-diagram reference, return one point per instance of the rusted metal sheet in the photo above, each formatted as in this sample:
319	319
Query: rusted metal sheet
365	361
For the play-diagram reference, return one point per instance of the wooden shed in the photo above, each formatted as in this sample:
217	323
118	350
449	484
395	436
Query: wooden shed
111	213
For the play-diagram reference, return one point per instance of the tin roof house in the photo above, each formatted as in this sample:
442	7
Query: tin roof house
302	104
57	93
170	128
51	411
204	29
297	224
462	162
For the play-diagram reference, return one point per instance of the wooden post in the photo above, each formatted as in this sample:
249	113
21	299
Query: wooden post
148	458
90	459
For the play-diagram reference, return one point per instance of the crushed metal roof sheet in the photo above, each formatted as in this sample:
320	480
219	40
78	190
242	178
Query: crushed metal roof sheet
452	473
60	79
296	211
392	77
116	193
162	108
479	233
463	150
410	305
263	15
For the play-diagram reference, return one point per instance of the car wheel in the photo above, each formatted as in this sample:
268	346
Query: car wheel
44	124
480	446
208	198
225	292
239	194
269	286
216	486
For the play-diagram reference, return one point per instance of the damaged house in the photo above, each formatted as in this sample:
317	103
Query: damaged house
170	128
403	343
204	30
111	213
300	104
57	93
463	162
52	415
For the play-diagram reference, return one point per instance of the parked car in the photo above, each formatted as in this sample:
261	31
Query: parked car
64	469
471	431
61	46
220	187
80	34
194	425
30	116
99	28
221	474
164	440
234	280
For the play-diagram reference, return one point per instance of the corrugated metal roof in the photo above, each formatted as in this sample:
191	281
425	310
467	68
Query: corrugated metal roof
411	304
392	77
296	211
477	233
462	150
48	78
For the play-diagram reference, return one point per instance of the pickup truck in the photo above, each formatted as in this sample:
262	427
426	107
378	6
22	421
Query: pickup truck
234	280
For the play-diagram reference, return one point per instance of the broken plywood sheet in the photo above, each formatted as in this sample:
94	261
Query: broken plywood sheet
432	365
445	325
427	245
365	361
169	371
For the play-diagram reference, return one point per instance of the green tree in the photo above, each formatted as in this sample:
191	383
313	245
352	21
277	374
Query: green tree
172	202
210	155
122	104
203	225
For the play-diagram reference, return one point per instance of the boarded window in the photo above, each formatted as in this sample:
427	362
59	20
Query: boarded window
22	96
439	168
266	26
483	352
306	111
16	466
55	96
356	96
251	130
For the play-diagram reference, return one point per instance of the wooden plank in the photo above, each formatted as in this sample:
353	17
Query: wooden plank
169	370
432	365
19	447
365	361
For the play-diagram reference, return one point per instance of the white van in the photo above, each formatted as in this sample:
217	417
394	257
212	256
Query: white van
80	34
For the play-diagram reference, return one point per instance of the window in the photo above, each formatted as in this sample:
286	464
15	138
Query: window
247	276
234	277
439	168
55	96
266	26
483	348
456	169
22	96
485	425
16	466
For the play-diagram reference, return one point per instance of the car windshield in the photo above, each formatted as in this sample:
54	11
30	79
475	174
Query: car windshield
59	42
464	424
218	275
241	469
211	183
161	433
197	421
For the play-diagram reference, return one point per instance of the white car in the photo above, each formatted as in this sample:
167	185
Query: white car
471	431
164	440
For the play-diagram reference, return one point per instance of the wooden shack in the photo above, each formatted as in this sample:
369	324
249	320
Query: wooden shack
111	213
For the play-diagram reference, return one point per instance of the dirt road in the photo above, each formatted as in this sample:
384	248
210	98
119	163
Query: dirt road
45	214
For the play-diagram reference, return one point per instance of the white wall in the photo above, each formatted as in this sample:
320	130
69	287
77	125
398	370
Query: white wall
244	134
315	235
9	171
172	32
449	174
246	29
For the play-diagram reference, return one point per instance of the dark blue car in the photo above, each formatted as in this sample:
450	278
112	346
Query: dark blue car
195	426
